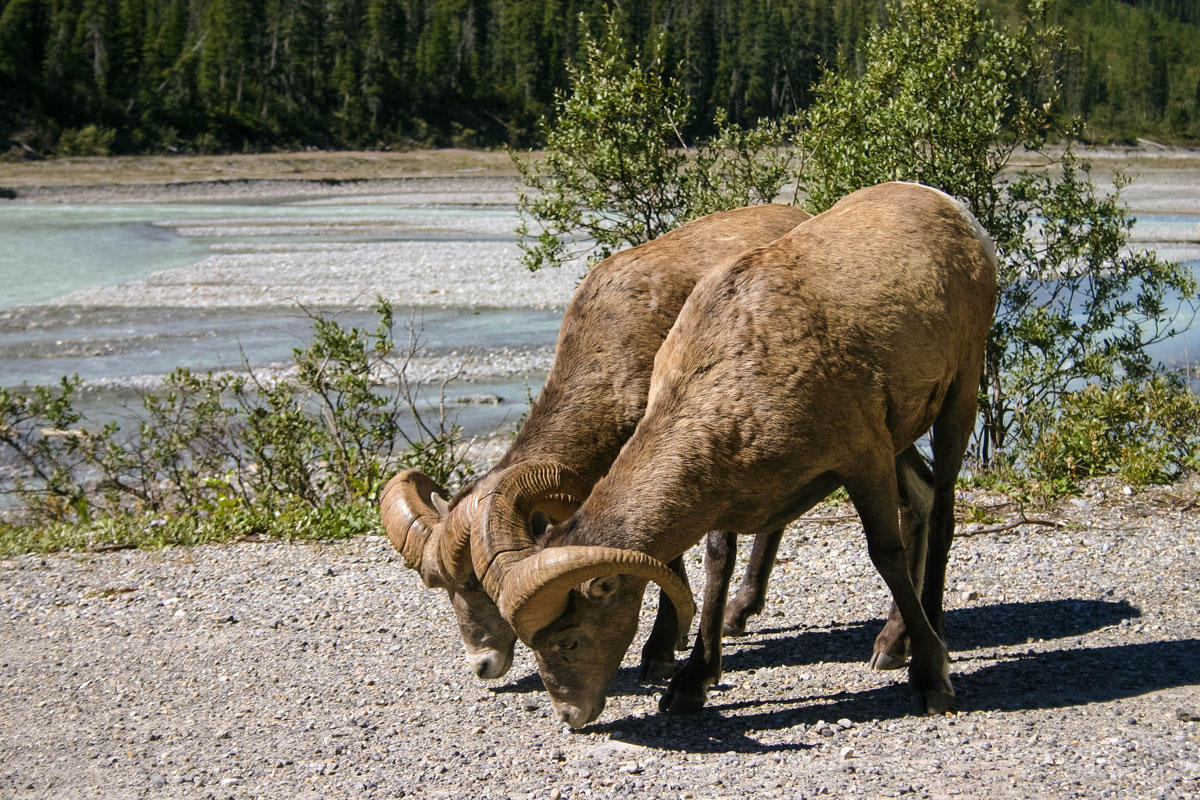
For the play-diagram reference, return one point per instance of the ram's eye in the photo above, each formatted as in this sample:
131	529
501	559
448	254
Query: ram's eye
567	644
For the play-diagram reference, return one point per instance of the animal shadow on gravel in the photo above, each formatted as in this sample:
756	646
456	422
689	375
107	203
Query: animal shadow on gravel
1025	682
530	682
998	625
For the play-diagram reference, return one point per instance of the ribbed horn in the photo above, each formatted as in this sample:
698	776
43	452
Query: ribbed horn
409	514
502	534
535	590
454	544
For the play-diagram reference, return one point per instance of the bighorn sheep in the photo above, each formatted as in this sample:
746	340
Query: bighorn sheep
801	366
592	400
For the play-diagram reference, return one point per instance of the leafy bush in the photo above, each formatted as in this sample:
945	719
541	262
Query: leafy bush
222	522
90	140
617	171
243	449
1145	432
944	100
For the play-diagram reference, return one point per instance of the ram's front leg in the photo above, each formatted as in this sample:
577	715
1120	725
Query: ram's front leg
751	595
658	653
687	690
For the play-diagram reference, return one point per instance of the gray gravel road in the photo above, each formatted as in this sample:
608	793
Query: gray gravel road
275	670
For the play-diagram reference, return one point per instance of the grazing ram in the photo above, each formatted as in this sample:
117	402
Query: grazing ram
593	398
803	365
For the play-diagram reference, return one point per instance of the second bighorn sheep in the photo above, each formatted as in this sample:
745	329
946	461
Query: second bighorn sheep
803	365
593	399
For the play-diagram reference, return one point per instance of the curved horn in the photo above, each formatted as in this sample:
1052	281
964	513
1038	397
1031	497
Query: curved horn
453	546
410	512
502	535
535	590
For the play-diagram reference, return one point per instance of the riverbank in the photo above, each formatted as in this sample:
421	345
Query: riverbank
315	165
480	177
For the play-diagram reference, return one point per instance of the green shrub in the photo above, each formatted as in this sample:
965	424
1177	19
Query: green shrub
306	451
90	140
617	171
1146	432
944	99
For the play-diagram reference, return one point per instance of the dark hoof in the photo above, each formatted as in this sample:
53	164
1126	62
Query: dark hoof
734	627
678	702
654	669
886	661
933	702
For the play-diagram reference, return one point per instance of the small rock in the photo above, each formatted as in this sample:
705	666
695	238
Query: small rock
478	400
158	780
610	748
845	724
847	753
1186	715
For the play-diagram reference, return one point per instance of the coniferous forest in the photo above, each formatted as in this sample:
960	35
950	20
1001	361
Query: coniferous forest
122	76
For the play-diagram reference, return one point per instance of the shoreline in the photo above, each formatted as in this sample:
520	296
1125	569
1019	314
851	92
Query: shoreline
450	176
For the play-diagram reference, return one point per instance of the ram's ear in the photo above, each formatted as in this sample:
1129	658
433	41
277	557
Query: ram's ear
598	589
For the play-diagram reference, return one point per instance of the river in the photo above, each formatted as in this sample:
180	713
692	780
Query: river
120	294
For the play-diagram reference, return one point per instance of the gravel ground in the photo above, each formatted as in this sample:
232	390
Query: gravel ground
264	669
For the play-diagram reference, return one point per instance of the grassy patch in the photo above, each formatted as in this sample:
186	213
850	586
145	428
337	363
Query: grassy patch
293	522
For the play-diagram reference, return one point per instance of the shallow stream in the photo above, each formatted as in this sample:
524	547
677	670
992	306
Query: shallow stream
76	283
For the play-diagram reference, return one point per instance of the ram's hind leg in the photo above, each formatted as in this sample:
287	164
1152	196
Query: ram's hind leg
876	498
915	483
688	688
751	595
951	436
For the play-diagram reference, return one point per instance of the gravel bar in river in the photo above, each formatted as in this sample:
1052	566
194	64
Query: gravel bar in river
272	670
